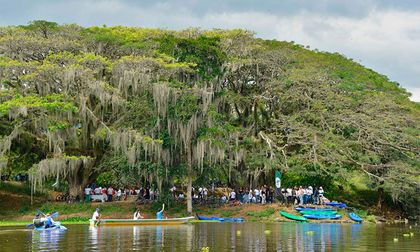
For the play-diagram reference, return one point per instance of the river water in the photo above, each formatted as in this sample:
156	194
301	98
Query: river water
217	237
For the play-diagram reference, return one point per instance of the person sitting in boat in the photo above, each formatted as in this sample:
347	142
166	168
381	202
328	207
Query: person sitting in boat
48	221
37	221
137	215
160	213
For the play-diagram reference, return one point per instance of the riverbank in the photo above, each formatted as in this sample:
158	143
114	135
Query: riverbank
81	212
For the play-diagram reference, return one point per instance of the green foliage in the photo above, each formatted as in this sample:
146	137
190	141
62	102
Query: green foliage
55	102
262	214
320	117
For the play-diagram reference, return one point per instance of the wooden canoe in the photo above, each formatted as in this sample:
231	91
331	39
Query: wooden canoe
120	222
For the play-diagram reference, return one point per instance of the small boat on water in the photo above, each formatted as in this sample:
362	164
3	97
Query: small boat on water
220	219
322	216
56	226
292	216
116	222
355	217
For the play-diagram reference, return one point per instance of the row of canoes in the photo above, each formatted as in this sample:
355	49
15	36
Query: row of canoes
306	213
318	214
323	214
170	221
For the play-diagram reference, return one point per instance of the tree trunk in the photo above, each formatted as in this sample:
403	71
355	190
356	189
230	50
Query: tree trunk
189	187
380	198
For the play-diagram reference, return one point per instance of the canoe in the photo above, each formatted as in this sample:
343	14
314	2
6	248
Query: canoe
57	226
322	216
355	217
220	219
118	222
313	209
292	216
336	204
317	212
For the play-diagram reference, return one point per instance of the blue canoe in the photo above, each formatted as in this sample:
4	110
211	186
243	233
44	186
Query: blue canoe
220	219
313	209
336	204
322	216
57	226
355	217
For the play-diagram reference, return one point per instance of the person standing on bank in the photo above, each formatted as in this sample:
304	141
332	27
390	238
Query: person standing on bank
160	213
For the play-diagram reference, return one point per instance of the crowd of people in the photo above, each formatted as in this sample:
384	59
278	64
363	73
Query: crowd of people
301	195
93	192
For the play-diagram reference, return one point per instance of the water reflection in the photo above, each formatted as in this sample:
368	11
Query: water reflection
46	240
216	236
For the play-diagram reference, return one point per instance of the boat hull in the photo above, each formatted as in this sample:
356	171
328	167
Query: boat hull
313	209
355	217
130	222
292	217
220	219
322	216
336	204
318	212
57	226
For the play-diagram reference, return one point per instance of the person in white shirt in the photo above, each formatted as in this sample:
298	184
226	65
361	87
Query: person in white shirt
88	192
232	196
137	215
119	194
200	192
96	214
98	190
181	196
205	192
321	195
310	195
257	195
223	199
263	198
110	192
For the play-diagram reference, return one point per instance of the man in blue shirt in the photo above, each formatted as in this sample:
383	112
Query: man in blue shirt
159	214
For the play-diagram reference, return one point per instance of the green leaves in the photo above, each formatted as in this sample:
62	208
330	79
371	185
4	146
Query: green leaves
54	102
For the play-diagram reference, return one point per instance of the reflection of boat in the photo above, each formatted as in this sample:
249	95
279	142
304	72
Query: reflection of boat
220	219
172	221
322	216
57	226
355	217
292	217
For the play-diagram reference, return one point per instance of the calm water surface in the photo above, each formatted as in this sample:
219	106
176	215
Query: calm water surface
216	236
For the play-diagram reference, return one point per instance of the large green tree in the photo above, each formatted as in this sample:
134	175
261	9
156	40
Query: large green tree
77	102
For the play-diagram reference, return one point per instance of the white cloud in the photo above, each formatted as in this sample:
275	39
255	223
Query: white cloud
386	41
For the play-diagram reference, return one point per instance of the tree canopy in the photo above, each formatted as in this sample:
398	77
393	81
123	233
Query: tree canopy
199	105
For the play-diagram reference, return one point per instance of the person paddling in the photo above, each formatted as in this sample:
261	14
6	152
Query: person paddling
48	221
160	213
137	215
96	217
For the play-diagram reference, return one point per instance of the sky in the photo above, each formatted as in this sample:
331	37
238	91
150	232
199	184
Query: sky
380	34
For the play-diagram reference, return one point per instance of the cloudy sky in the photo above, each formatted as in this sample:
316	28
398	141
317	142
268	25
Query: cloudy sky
381	34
